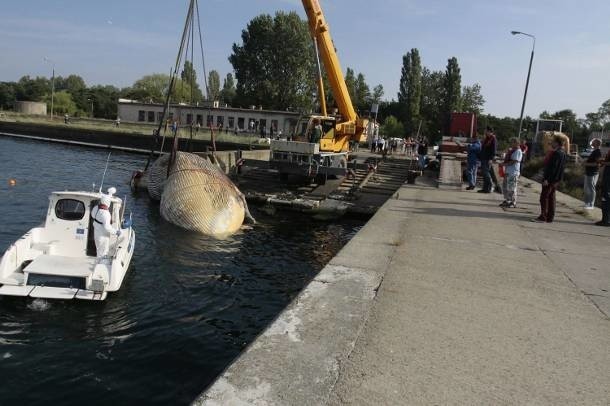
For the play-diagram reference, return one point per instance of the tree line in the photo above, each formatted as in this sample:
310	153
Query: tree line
274	67
427	98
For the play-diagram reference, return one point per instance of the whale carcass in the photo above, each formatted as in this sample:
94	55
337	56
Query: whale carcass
196	195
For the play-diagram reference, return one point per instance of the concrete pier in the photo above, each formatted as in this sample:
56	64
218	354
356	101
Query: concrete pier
443	298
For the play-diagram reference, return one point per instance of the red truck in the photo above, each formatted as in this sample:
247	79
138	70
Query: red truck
463	126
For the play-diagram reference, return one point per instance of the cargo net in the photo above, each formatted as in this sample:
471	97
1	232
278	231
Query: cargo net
157	175
197	195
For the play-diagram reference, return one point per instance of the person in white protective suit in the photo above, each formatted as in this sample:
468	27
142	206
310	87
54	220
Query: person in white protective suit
102	228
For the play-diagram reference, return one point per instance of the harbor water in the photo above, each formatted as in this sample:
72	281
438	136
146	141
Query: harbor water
187	307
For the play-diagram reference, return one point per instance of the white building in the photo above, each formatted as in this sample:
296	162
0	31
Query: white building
210	115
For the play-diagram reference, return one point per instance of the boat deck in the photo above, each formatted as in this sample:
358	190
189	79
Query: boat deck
60	265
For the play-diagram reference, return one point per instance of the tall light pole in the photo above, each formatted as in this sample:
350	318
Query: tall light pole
52	84
529	71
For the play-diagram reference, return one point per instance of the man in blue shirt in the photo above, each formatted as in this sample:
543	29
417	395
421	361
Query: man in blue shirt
473	149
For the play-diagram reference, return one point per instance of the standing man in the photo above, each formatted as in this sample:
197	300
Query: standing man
473	150
422	152
592	173
488	153
316	132
102	227
605	221
512	170
554	167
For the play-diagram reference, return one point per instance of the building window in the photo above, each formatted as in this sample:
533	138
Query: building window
241	123
159	116
141	115
231	122
151	116
220	120
189	119
274	125
171	116
210	120
200	119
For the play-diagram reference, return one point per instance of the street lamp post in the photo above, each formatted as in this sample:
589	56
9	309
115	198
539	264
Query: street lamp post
529	71
52	84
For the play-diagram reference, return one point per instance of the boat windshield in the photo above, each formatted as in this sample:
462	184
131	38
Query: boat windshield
69	209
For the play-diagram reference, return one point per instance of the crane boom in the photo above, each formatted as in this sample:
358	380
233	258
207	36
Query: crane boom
321	34
322	142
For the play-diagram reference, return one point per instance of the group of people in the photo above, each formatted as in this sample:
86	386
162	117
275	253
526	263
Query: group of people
484	153
554	167
408	146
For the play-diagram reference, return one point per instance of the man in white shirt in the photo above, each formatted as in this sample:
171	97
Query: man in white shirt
512	165
102	227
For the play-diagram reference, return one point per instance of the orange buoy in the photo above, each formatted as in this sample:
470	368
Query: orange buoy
12	182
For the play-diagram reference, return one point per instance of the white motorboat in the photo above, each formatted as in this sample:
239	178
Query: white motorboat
59	260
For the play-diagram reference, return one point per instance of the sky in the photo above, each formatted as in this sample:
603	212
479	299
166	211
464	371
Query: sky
117	42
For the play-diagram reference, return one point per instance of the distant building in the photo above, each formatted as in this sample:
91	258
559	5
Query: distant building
210	115
29	107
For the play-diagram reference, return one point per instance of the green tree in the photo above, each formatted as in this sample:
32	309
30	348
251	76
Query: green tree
213	85
359	91
393	128
189	78
73	84
62	103
228	92
7	95
452	87
504	127
77	88
604	114
188	74
153	89
472	99
593	121
274	64
29	89
410	89
350	83
376	95
432	103
362	93
105	98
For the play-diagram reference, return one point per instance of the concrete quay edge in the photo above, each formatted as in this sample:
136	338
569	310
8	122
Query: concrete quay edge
297	359
300	358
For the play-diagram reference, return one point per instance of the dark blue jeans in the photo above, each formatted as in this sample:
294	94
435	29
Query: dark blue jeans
485	167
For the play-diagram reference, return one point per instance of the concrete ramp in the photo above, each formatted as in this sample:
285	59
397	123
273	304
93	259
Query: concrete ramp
450	176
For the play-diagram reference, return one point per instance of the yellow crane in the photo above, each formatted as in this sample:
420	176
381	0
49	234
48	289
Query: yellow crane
310	156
